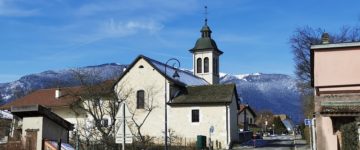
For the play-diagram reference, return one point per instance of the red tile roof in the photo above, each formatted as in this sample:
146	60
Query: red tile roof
45	97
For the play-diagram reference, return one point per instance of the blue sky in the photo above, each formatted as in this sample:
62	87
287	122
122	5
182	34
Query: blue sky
39	35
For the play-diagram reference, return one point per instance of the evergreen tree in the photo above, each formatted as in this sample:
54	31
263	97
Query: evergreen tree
279	127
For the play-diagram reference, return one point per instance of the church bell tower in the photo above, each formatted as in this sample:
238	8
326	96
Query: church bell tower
206	56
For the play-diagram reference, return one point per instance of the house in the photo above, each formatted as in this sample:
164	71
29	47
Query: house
336	82
246	117
64	103
5	125
40	125
195	101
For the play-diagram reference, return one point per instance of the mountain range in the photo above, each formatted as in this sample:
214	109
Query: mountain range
274	92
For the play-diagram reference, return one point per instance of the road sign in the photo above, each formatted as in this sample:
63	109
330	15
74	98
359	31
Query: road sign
307	122
120	114
123	134
120	134
212	129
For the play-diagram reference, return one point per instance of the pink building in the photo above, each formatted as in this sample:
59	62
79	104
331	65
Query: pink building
336	81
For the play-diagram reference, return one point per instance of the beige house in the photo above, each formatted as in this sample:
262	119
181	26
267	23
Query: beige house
246	117
41	126
195	101
61	102
335	78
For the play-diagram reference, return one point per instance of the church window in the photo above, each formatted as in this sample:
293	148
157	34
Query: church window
214	66
198	65
140	96
195	115
206	65
141	66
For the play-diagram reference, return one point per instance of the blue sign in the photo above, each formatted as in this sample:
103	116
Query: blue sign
307	122
212	129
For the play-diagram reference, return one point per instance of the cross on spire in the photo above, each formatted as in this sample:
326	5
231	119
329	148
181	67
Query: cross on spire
206	13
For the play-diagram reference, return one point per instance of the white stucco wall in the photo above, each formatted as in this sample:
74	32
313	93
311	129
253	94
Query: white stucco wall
47	129
149	80
33	123
210	77
179	118
180	122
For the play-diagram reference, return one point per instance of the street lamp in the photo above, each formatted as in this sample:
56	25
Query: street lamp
175	76
273	125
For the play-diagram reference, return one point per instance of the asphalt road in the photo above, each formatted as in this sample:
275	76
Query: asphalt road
275	143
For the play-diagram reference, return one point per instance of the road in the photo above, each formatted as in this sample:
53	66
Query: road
285	142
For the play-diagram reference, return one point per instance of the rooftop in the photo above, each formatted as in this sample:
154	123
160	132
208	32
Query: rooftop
37	111
206	95
336	45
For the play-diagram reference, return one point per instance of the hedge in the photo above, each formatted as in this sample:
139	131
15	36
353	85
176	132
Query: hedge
350	136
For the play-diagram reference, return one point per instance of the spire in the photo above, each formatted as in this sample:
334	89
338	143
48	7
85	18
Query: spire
205	30
205	42
206	13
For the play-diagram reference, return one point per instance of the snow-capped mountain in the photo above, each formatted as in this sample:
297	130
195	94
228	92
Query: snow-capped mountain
275	92
51	79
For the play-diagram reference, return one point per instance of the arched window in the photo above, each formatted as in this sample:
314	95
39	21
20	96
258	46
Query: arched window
214	66
206	65
198	65
217	66
140	96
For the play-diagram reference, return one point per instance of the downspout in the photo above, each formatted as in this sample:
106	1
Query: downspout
313	133
227	125
194	71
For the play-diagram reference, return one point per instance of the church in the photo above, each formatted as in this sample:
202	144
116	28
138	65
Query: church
191	103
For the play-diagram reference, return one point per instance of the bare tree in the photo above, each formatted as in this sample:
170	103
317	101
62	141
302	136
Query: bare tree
264	116
137	122
96	107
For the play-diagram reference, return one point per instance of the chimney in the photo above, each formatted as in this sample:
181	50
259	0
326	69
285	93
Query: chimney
325	38
57	93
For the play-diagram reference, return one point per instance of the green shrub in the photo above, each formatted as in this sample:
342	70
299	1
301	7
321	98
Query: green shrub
350	136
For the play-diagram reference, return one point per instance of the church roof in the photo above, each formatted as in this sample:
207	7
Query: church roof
185	78
206	95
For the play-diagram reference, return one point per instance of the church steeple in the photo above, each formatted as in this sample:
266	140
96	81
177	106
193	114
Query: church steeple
206	55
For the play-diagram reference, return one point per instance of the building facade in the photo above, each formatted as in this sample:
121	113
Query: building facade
336	82
195	101
246	117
